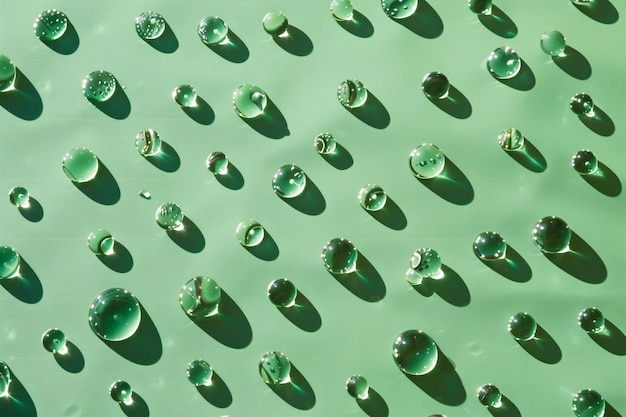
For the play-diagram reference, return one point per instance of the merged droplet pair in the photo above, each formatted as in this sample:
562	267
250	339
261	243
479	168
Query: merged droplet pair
424	263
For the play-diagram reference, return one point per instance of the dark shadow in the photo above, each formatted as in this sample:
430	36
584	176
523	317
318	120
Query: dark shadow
34	213
267	250
26	287
234	50
600	122
340	158
390	215
451	287
374	405
604	180
523	81
166	43
232	179
296	42
118	106
451	185
297	393
359	25
507	409
425	22
138	408
499	23
144	347
423	288
303	314
610	339
573	63
24	101
601	11
310	202
166	160
217	393
581	261
190	238
120	260
67	44
372	112
270	123
201	112
442	384
455	104
609	411
529	157
366	283
513	266
542	347
19	403
103	188
73	360
229	326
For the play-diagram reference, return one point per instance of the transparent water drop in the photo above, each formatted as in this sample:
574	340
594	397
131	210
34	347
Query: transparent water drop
170	216
145	194
480	6
275	24
582	104
249	101
213	31
99	86
341	10
489	396
372	197
426	263
54	341
5	379
358	387
489	246
9	262
415	352
149	25
399	9
325	143
50	25
200	297
19	197
553	43
522	326
339	256
101	242
185	96
585	162
275	368
121	392
504	63
199	372
282	292
115	314
552	235
148	142
217	163
511	139
250	233
80	165
591	320
289	181
435	85
352	93
413	277
588	403
427	161
7	73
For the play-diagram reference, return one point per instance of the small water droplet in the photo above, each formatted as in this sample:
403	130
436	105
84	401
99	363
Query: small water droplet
399	9
275	368
427	161
480	6
275	23
585	162
435	85
522	326
200	297
489	396
426	263
185	95
372	197
552	43
289	181
50	25
80	165
213	31
250	233
489	246
170	216
582	104
591	320
115	314
5	379
325	143
149	25
340	256
249	101
145	194
19	197
504	63
282	292
148	142
199	372
415	352
358	387
7	73
9	262
511	139
99	86
552	235
588	403
121	392
342	10
54	341
217	163
352	93
101	242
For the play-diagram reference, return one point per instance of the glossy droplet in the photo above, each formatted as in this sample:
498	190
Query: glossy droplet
489	246
413	277
7	73
489	396
399	9
217	163
358	387
115	314
427	161
588	403
415	352
480	6
50	25
325	143
9	262
200	297
185	95
54	341
282	292
339	256
582	104
275	23
170	216
148	142
372	197
19	197
199	372
426	263
504	63
5	379
552	235
212	30
275	368
101	242
121	392
249	101
145	194
511	139
289	181
80	165
585	162
352	93
553	43
149	25
250	233
341	10
99	86
435	85
582	2
591	320
522	326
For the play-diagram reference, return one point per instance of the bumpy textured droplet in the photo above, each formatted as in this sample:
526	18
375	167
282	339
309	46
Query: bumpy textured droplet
5	379
489	396
591	320
435	85
342	10
54	341
7	73
289	181
99	86
101	242
275	368
325	143
121	392
275	23
80	165
50	25
522	326
340	256
426	263
249	101
170	216
185	95
427	161
552	43
415	352
200	297
504	63
149	25
511	139
358	387
585	162
199	372
115	314
250	233
19	197
372	197
217	163
480	6
489	246
148	142
352	93
9	262
582	104
212	30
552	235
282	292
399	9
588	403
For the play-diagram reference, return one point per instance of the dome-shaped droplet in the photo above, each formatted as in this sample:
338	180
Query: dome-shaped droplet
340	256
185	95
585	162
212	30
282	292
591	320
9	262
435	85
358	387
289	181
275	368
399	9
552	43
352	93
149	25
588	403
427	161
489	246
19	197
511	139
250	233
480	6
582	104
5	379
275	23
426	263
121	392
54	341
80	165
249	101
325	143
372	197
200	297
7	73
199	372
504	63
148	142
415	352
115	314
101	242
99	86
489	396
217	163
170	216
50	25
552	235
522	326
341	10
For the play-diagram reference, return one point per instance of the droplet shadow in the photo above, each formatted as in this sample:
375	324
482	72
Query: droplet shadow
340	158
138	408
73	360
523	81
67	44
581	261
610	411
366	283
374	405
103	188
512	267
267	250
359	25
442	384
271	123
296	42
507	409
601	11
529	157
298	393
573	63
499	23
166	43
425	22
33	213
390	215
372	112
217	393
542	347
119	261
310	202
303	314
451	287
201	113
451	185
234	50
455	104
599	123
26	287
23	101
19	403
611	339
166	160
116	107
604	180
233	179
190	238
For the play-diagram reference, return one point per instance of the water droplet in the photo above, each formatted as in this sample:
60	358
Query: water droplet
115	314
170	216
19	197
148	142
249	101
54	341
426	263
358	387
435	85
489	246
342	10
582	2
213	31
199	372
339	256
552	235
489	396
282	292
275	368
9	262
427	161
415	352
121	392
149	25
553	43
399	9
582	104
480	6
185	95
80	165
585	162
50	25
522	326
504	63
145	194
511	139
325	143
275	23
289	181
352	93
413	277
101	242
7	73
591	320
217	163
200	297
250	233
99	86
372	197
5	379
588	403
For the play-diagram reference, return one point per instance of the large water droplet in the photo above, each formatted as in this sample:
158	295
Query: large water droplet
339	256
249	101
522	326
170	216
282	292
185	95
217	163
435	85
149	25
275	368
325	143
250	233
591	320
585	162
342	10
427	161
588	403
212	30
199	372
582	104
399	9
372	197
200	297
99	86
275	23
121	392
553	43
552	235
358	387
115	314
80	165
489	246
415	352
511	139
504	63
50	25
289	181
101	242
352	93
426	263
